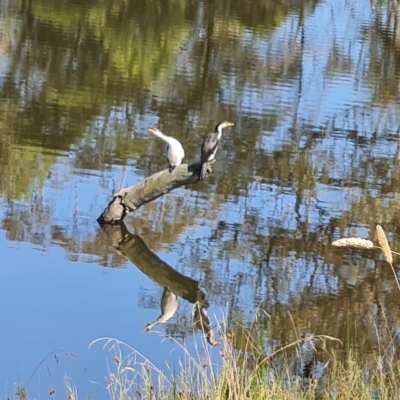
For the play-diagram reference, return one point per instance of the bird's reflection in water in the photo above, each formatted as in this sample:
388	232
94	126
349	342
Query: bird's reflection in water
169	305
202	321
174	283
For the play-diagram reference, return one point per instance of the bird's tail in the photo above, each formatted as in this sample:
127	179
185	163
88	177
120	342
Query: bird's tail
203	172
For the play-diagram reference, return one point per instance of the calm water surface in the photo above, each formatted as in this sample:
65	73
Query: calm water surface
313	89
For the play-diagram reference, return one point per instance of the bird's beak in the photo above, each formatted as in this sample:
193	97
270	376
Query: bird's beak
231	124
152	130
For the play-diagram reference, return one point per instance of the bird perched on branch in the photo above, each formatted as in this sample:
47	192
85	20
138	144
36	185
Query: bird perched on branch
175	152
210	147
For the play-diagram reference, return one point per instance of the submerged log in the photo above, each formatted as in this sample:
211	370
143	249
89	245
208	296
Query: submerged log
131	198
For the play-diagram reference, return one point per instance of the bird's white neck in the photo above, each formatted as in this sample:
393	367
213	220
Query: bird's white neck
219	132
166	138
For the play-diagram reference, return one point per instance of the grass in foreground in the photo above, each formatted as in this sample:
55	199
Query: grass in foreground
248	374
244	371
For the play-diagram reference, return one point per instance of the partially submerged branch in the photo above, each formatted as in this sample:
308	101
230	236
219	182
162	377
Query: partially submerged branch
131	198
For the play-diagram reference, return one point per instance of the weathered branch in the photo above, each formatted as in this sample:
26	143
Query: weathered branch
154	186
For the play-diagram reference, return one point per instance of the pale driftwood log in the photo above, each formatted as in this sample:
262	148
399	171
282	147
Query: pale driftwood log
131	198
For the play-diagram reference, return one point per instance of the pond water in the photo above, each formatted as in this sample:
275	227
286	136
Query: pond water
313	89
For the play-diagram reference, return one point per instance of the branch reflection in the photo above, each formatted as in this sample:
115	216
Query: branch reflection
174	283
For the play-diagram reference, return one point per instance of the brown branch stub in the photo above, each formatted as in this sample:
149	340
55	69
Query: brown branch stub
154	186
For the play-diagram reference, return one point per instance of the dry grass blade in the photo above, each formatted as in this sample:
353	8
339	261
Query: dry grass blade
384	244
353	242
